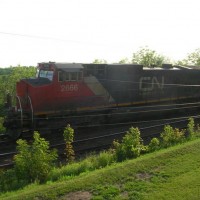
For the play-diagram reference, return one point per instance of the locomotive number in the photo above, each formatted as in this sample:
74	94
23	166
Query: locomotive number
69	88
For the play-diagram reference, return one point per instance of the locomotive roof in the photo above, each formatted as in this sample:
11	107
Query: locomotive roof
68	65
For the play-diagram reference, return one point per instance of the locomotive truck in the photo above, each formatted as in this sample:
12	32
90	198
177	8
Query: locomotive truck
82	94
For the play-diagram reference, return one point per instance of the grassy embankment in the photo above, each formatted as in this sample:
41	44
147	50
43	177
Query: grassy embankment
172	173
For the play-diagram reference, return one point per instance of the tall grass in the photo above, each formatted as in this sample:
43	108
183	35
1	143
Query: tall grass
90	163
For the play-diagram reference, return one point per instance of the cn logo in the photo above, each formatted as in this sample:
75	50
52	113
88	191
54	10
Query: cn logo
147	84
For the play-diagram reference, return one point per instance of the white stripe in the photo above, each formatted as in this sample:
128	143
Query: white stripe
97	88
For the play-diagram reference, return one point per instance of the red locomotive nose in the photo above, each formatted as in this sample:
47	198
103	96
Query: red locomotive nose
21	88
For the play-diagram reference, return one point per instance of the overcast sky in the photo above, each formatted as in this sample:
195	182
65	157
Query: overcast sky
33	31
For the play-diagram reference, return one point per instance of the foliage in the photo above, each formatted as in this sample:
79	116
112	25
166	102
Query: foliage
148	58
103	159
34	162
124	61
90	163
191	59
18	73
190	128
106	192
5	71
8	180
171	136
154	144
183	62
8	80
100	61
169	174
131	145
2	128
194	58
69	138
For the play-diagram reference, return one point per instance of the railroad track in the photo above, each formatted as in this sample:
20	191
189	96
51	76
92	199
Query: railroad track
96	139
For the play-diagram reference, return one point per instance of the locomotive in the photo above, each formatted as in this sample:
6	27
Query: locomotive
82	94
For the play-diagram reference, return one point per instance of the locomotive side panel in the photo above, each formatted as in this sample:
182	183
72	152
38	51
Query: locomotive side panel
169	85
123	83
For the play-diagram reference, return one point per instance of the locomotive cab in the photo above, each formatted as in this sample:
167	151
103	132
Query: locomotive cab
45	71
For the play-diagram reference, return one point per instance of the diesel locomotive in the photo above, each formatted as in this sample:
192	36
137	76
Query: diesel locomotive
82	94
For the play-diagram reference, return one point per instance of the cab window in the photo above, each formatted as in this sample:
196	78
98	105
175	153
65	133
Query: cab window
73	76
69	76
46	74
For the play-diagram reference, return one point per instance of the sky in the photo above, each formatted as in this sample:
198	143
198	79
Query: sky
33	31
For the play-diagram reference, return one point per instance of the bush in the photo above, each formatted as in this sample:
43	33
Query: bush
34	162
131	145
9	181
104	159
154	144
171	136
197	130
69	138
190	128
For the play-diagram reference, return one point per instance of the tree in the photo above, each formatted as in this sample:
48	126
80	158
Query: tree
193	58
9	79
124	61
148	58
18	73
100	61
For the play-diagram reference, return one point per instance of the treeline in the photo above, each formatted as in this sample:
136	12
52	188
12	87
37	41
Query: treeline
150	58
8	78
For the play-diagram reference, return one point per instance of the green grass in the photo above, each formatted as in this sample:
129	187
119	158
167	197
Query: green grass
172	173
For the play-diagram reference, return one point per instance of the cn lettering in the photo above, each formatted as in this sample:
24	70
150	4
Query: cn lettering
148	84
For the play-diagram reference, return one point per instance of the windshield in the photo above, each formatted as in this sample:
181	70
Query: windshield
46	74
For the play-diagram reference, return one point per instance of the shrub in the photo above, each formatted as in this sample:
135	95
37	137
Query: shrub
154	144
34	162
179	135
171	136
198	130
69	138
190	128
104	159
8	180
131	145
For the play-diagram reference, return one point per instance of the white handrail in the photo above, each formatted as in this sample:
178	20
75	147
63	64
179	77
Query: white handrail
20	105
31	109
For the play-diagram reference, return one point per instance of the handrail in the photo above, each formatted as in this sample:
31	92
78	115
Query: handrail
31	109
20	110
